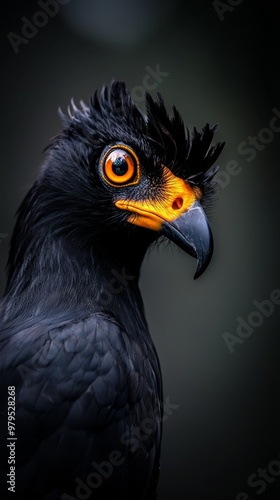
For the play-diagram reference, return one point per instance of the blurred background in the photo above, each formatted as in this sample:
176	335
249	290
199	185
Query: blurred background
218	62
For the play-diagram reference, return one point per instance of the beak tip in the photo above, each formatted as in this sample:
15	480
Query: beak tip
198	272
203	264
196	275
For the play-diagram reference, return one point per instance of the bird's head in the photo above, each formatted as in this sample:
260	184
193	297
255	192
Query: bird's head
117	180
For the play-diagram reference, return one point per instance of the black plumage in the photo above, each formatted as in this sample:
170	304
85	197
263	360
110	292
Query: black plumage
74	339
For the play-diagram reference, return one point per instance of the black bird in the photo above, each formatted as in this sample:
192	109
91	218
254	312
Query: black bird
77	358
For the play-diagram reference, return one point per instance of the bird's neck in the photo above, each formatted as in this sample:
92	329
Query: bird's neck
57	276
58	263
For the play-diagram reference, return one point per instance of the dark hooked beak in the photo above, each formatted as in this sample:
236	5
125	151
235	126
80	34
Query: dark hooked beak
192	233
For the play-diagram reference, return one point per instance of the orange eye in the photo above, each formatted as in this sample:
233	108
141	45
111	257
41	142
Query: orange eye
120	166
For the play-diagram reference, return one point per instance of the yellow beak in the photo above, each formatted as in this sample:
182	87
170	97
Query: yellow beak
175	199
178	215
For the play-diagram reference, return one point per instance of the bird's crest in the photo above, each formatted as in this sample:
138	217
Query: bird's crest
192	152
189	155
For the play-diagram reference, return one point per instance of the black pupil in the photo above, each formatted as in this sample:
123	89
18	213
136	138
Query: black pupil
120	166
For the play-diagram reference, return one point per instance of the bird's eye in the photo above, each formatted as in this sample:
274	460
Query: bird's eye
120	166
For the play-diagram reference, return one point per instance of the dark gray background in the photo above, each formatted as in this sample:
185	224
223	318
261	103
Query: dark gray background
227	422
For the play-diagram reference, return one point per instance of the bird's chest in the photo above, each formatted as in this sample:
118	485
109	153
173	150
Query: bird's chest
142	360
141	415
